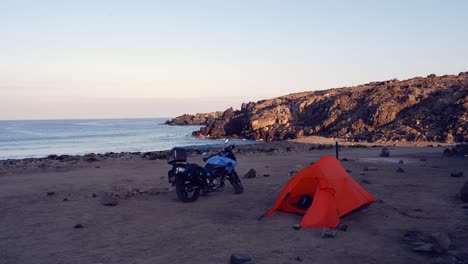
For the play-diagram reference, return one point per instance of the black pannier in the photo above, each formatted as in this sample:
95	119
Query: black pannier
176	155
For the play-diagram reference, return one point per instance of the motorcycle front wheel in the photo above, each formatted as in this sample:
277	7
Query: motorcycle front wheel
236	183
187	191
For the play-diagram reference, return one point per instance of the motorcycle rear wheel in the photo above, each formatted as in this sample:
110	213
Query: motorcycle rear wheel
236	183
186	191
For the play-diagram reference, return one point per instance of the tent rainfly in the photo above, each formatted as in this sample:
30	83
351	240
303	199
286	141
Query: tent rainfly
333	190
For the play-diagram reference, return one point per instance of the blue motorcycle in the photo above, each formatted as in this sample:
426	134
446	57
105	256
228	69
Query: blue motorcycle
190	179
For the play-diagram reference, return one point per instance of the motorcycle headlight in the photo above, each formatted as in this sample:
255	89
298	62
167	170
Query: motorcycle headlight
180	169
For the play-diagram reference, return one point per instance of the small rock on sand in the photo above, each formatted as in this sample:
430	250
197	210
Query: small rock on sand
91	157
250	174
365	181
464	192
299	259
425	247
109	199
154	191
441	242
370	169
327	233
385	152
457	175
448	259
342	227
240	258
400	170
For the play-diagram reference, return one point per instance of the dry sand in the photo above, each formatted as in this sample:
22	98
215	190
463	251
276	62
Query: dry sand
154	227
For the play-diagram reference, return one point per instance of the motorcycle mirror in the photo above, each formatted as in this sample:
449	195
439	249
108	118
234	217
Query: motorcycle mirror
226	141
204	154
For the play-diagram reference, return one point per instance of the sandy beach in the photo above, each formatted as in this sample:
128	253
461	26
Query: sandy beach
51	211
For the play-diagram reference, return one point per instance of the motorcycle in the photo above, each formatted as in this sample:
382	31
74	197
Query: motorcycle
190	179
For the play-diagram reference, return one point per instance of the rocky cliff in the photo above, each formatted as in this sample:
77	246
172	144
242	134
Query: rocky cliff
419	109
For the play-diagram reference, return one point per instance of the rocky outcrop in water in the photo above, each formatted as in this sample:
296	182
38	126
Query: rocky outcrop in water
193	120
419	109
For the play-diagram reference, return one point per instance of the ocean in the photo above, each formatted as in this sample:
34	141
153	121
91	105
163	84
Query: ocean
40	138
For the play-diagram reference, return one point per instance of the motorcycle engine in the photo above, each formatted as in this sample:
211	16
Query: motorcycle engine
214	183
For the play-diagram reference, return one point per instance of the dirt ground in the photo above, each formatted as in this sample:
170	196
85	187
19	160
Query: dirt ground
149	225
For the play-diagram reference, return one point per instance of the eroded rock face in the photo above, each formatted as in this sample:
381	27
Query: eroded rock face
418	109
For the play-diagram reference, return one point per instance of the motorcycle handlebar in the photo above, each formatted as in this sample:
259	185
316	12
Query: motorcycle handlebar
228	148
231	147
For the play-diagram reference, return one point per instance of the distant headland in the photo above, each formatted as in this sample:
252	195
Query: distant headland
433	108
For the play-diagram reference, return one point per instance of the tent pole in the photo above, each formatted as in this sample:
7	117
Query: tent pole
336	147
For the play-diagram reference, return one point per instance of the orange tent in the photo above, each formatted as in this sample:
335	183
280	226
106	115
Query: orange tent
333	190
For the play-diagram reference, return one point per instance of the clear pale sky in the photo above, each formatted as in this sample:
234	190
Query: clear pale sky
101	59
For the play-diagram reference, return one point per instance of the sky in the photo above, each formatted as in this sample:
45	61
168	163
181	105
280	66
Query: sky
118	59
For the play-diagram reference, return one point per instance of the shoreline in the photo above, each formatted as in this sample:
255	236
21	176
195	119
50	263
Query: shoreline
67	162
310	140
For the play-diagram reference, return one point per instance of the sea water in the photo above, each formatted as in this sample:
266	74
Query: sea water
40	138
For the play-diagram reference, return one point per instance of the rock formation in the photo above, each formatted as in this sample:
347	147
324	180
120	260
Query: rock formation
193	120
419	109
